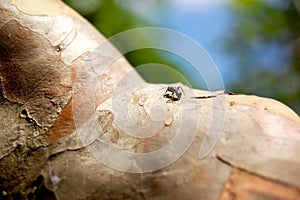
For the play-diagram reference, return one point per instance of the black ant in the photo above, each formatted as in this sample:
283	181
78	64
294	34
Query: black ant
173	93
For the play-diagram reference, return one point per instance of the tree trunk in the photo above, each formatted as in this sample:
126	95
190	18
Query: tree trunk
76	123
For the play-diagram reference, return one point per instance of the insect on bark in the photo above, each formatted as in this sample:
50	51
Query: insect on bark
173	93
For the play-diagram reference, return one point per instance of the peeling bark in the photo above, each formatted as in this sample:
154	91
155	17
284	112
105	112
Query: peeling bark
52	128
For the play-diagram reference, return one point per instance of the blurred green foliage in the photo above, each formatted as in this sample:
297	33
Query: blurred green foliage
112	18
259	27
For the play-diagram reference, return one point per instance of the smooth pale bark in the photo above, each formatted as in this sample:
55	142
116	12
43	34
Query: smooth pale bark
49	100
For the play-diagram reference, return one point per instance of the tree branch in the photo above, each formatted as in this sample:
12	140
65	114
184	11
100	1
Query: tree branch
81	122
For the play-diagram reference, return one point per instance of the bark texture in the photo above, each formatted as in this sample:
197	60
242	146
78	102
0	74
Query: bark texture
58	86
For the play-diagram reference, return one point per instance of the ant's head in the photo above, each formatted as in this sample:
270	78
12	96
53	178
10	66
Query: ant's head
179	88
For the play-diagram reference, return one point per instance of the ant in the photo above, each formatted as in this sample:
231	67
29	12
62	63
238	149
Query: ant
173	93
